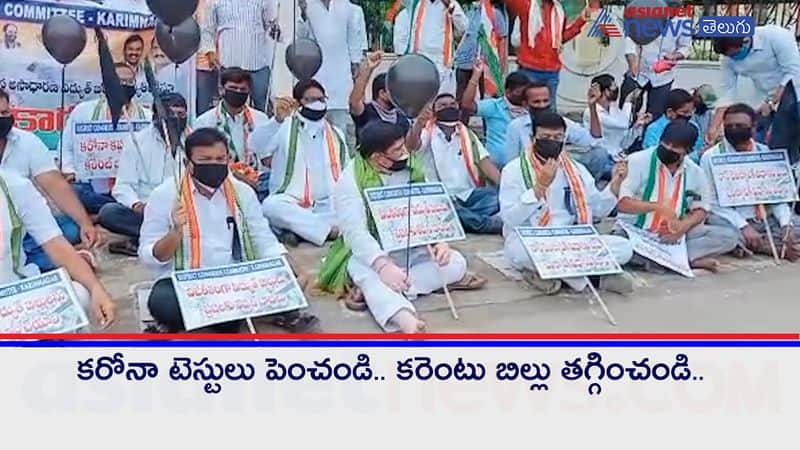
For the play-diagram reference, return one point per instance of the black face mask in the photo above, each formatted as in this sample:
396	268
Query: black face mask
450	114
534	110
6	123
398	165
548	148
613	94
129	92
211	175
312	114
178	124
700	108
235	99
738	135
667	156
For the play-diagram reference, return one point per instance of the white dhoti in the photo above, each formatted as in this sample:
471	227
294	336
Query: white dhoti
425	277
312	224
516	255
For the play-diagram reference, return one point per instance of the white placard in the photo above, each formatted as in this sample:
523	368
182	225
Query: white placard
98	147
673	256
569	251
753	178
43	304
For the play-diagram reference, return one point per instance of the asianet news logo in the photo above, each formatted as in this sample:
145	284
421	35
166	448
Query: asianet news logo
648	23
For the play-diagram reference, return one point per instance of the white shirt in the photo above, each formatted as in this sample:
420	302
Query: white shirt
519	134
213	119
639	171
37	220
520	207
616	126
84	113
444	161
312	154
431	36
26	154
772	62
351	217
738	216
361	33
212	216
143	166
336	31
662	46
239	31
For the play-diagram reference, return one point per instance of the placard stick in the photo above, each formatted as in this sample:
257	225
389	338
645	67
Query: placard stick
250	325
444	284
601	302
772	243
785	238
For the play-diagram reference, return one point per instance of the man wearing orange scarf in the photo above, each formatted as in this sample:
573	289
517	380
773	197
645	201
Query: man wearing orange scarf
545	187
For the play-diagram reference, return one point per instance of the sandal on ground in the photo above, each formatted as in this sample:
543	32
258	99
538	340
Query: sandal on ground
354	300
470	282
125	247
294	321
547	287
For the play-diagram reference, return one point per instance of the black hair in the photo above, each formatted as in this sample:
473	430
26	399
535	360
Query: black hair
133	38
741	108
604	80
536	85
549	120
172	99
377	136
235	75
302	86
680	133
203	137
8	25
4	95
677	98
378	85
516	80
724	44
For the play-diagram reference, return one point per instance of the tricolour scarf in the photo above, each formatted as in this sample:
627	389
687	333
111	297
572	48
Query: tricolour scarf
223	117
16	234
531	166
655	191
469	151
417	17
536	23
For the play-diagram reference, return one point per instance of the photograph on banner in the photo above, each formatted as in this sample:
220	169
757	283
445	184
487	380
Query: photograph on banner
753	178
433	215
33	78
569	251
99	146
237	291
42	304
673	256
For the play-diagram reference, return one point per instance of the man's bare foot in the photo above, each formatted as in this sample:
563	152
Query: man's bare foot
408	322
710	264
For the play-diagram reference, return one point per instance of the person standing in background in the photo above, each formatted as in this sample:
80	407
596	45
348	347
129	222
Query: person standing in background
431	28
337	28
469	48
242	33
361	31
544	29
207	76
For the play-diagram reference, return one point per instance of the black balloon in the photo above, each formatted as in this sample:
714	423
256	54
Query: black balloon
178	43
412	82
644	35
172	12
64	38
304	58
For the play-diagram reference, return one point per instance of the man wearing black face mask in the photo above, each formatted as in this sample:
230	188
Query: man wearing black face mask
306	156
454	155
748	221
666	193
205	219
145	163
680	106
381	106
81	144
356	263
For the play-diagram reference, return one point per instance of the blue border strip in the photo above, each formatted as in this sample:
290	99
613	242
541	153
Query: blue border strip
394	344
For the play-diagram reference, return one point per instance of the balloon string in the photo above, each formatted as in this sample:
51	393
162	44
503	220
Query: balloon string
63	118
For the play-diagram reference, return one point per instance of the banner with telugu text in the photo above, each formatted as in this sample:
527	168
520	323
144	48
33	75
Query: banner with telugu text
33	78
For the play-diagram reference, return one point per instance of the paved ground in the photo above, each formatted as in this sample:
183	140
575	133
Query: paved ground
747	296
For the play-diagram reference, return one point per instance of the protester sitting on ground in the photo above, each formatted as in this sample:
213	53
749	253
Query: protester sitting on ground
23	210
260	138
748	221
498	112
356	263
667	193
584	145
453	154
24	153
145	163
680	106
705	100
381	106
544	187
306	156
187	225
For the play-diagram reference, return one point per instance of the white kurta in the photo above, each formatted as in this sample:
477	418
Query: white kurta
431	38
313	158
26	154
144	164
239	130
444	161
383	302
520	207
337	32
